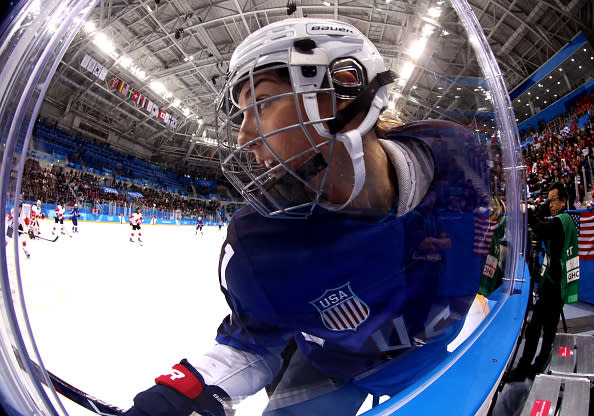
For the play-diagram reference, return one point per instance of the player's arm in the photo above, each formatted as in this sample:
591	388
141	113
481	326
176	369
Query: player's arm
218	380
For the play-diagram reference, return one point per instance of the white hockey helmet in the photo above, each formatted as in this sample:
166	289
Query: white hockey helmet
39	203
314	52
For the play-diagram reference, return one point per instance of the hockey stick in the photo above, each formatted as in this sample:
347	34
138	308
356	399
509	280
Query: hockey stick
47	239
40	237
69	391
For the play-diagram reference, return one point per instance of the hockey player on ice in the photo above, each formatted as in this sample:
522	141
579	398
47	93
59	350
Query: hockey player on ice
34	218
316	259
74	215
23	228
199	225
59	219
135	221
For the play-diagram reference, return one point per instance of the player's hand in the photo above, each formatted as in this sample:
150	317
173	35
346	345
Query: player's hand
179	393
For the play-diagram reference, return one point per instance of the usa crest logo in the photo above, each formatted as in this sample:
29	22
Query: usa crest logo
340	309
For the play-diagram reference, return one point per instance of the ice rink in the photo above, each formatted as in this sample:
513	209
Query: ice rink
109	315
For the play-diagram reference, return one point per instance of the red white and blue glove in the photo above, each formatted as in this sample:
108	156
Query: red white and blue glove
180	393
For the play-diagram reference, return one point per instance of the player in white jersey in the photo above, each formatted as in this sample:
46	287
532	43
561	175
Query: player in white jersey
135	221
34	217
59	219
22	226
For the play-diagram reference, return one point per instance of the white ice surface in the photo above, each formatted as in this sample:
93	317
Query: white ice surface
109	316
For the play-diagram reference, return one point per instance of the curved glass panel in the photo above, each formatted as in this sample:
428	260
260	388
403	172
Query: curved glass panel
424	238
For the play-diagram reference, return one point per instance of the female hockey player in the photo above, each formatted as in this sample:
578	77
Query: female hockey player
135	222
22	227
317	259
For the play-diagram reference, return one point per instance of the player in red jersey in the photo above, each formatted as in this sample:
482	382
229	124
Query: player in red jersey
135	221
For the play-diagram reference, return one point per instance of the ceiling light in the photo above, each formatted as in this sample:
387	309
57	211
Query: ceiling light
416	49
434	12
125	61
103	43
406	72
90	26
427	30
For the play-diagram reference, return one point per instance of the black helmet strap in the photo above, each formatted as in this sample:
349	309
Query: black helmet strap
362	102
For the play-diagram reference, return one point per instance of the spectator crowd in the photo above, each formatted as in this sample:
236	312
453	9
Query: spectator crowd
55	184
559	151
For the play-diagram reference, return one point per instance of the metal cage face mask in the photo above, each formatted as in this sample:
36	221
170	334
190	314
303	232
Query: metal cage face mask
320	60
281	185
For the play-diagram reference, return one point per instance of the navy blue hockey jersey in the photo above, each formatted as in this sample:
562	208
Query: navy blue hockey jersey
347	290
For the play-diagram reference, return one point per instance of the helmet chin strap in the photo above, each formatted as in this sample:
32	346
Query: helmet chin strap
351	139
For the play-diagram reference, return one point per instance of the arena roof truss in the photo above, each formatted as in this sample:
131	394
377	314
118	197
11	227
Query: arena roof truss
176	54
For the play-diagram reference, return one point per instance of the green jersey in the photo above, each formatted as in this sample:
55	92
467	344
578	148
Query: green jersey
570	261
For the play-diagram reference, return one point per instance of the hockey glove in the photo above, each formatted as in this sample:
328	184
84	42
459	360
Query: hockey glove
179	393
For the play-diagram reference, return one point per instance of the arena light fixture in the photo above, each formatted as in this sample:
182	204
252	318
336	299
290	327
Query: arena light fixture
125	61
417	47
405	73
90	26
434	12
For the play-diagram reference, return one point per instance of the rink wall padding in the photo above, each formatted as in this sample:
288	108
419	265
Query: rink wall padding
124	219
466	387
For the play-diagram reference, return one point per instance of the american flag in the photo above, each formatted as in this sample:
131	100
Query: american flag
486	220
584	223
484	225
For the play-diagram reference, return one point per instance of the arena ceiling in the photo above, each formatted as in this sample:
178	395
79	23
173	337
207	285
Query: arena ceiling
176	53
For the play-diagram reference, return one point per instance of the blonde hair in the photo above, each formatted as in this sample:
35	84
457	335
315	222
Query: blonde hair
387	120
